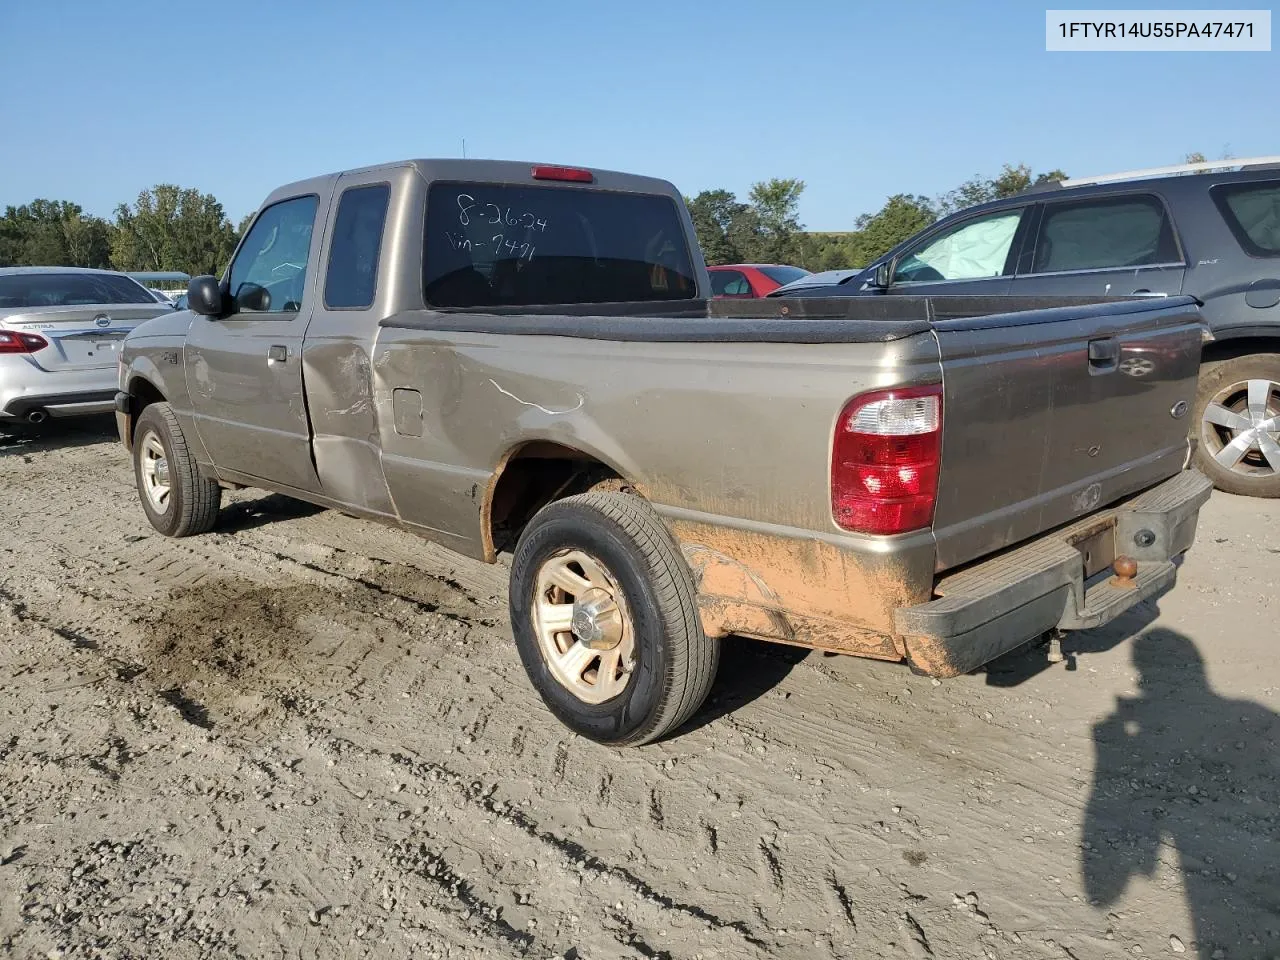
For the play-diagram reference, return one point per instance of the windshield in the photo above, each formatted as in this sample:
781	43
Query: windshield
512	245
783	274
70	289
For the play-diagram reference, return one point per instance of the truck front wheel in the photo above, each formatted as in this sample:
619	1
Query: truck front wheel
177	500
1238	415
606	620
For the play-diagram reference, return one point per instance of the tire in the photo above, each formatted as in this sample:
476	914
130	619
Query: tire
1223	394
191	503
673	663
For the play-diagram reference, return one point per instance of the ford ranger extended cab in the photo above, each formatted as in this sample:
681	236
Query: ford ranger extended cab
521	359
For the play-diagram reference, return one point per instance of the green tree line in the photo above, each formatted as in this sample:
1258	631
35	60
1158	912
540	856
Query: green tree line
767	229
179	228
167	228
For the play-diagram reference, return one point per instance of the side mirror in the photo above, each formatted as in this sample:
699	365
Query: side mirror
204	296
884	274
252	296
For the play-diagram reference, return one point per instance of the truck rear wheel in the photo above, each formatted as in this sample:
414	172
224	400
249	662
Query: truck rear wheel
177	500
606	620
1238	417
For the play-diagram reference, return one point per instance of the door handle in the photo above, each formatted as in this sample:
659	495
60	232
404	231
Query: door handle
277	353
1104	355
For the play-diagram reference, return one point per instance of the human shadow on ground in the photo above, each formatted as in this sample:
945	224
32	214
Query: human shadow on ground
18	438
1189	780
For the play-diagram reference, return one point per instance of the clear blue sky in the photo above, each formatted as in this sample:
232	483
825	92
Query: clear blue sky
859	100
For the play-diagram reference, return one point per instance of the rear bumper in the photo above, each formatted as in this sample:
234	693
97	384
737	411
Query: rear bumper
60	404
26	388
1060	581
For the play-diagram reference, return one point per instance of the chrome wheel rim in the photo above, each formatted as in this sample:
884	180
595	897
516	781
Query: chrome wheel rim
1241	425
155	473
583	626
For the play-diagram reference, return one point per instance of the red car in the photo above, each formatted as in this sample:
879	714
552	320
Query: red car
740	280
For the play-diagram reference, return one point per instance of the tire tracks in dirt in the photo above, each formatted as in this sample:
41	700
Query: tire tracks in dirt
356	717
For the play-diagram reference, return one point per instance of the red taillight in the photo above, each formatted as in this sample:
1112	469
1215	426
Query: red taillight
884	460
13	342
574	174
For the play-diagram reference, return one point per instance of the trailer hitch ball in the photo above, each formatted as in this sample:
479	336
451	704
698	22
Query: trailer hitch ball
1126	568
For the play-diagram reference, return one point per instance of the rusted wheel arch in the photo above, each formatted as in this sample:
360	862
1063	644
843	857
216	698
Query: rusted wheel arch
531	476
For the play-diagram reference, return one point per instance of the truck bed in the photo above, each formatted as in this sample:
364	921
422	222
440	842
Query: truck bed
1034	433
766	320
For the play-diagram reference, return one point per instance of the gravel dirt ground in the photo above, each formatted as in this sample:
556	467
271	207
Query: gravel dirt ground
306	736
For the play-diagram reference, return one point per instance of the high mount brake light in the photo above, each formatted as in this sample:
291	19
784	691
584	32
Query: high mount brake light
884	460
12	341
572	174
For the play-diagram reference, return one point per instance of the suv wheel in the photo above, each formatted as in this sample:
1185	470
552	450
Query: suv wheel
1238	413
606	620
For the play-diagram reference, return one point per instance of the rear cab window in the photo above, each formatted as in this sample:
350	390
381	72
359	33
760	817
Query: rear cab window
1252	211
1104	233
489	244
24	290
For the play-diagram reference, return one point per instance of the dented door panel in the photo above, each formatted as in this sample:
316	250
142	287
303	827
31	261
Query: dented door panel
340	343
344	421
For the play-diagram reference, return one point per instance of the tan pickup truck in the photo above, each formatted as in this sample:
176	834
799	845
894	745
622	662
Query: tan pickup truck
515	358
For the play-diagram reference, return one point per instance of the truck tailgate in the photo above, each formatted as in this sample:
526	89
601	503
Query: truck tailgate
1053	414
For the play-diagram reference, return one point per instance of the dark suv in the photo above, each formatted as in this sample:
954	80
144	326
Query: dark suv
1213	235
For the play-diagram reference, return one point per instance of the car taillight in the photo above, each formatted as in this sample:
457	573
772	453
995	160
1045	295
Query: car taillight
884	460
13	342
573	174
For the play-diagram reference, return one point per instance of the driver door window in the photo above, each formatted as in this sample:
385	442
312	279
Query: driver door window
269	274
973	250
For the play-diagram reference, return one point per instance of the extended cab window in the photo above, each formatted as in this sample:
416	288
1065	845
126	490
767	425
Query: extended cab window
269	273
352	277
972	250
512	245
1252	211
1103	234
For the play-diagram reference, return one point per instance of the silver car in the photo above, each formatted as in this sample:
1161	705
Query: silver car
60	333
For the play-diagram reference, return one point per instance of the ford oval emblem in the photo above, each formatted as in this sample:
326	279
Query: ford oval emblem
1178	410
102	320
